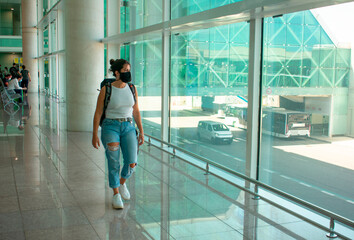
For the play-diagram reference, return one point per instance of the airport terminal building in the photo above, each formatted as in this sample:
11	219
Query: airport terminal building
247	108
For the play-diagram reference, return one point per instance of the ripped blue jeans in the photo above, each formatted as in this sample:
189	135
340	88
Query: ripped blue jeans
123	133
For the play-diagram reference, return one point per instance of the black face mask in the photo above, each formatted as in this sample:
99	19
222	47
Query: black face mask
125	77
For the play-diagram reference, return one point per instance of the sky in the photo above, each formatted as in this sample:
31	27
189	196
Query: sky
337	21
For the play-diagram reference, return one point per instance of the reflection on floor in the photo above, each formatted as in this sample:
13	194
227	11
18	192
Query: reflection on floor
54	186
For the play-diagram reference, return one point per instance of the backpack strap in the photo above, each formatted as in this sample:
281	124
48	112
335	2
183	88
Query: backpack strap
107	96
132	88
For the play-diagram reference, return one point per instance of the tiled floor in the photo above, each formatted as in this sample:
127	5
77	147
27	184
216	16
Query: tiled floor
53	186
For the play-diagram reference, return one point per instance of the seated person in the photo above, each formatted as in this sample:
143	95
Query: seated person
6	79
13	85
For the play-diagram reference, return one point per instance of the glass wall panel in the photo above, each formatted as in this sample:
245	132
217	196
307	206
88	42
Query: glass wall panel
124	19
10	19
181	8
53	76
46	75
305	148
46	7
140	13
45	41
124	52
11	42
209	84
53	37
146	65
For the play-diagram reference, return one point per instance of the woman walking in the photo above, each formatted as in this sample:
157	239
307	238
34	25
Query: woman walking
26	78
118	131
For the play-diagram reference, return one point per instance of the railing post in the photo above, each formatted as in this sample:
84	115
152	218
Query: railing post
207	169
331	234
256	197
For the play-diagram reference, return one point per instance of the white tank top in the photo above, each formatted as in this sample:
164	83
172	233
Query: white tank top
121	103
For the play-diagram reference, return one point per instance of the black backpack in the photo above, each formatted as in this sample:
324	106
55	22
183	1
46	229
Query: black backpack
108	83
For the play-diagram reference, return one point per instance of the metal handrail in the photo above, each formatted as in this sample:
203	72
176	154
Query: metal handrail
306	204
331	233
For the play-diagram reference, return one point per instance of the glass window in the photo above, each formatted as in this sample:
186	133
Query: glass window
146	65
53	76
53	36
45	41
140	13
209	82
10	19
305	147
181	8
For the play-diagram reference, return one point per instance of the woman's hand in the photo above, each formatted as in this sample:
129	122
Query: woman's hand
141	139
95	141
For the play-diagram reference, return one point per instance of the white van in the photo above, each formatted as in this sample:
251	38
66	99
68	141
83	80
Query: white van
214	131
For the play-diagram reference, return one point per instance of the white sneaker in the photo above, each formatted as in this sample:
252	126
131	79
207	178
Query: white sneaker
124	192
117	201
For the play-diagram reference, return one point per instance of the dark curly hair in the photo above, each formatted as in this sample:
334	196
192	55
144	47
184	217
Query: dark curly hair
117	65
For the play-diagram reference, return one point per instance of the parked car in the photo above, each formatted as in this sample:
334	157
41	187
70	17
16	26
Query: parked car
214	131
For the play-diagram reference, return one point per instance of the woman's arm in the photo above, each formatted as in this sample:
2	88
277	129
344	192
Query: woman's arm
137	118
97	117
29	77
16	84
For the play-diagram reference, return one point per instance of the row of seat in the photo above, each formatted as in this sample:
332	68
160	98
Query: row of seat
9	97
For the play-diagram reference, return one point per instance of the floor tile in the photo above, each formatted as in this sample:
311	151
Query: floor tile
12	236
84	232
9	204
53	185
10	222
53	218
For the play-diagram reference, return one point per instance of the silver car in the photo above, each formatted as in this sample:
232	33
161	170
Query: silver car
214	131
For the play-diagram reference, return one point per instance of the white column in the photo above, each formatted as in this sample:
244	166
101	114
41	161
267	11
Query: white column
61	57
41	60
113	28
29	41
165	94
84	60
39	9
351	96
254	77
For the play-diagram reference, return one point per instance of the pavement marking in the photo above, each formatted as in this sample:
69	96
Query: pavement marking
270	171
240	160
328	193
240	139
307	185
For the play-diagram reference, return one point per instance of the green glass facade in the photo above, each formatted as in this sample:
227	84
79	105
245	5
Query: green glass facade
181	8
209	74
207	71
10	42
299	53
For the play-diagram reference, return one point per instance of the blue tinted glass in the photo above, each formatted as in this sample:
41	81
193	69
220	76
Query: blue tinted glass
294	34
295	18
181	8
309	18
311	35
325	39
